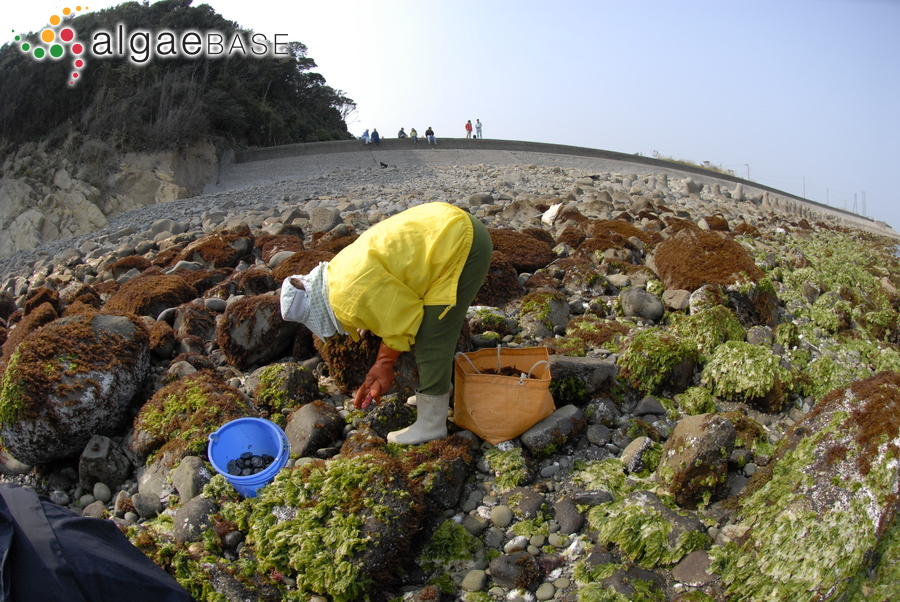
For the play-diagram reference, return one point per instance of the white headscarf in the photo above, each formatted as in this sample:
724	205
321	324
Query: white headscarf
310	306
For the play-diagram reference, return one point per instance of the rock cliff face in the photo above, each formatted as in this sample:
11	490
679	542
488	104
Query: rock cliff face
45	196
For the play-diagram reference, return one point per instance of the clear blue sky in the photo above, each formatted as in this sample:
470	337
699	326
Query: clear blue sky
802	95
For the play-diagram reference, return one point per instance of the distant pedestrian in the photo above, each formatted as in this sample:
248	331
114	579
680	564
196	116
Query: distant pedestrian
375	137
478	129
401	134
469	129
429	135
414	135
365	136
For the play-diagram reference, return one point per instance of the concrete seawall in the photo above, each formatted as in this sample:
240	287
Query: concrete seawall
262	165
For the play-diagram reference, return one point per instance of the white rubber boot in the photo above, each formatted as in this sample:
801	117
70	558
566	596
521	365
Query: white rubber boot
411	400
430	424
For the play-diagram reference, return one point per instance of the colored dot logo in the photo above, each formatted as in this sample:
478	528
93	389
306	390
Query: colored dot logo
55	41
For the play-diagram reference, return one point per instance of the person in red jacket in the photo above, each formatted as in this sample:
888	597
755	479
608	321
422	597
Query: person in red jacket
469	129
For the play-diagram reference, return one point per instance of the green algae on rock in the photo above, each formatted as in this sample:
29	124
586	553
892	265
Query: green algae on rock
832	489
708	329
510	466
281	387
179	418
696	400
741	371
336	527
642	519
654	360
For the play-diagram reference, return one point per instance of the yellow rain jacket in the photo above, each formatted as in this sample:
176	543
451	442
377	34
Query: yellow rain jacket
383	280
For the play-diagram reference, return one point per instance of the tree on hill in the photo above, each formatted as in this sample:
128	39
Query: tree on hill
170	101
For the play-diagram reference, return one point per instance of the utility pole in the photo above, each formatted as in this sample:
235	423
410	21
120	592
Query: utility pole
854	202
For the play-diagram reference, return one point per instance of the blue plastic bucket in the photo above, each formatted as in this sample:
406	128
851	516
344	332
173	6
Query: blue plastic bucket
255	435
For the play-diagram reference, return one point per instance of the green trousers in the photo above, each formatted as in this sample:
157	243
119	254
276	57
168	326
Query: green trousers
437	338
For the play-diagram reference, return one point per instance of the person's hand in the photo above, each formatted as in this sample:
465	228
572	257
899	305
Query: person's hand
379	378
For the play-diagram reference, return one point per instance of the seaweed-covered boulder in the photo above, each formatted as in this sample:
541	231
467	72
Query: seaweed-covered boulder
179	418
646	530
501	285
811	521
149	295
70	380
217	250
300	263
752	374
122	266
38	297
43	314
526	253
7	305
708	328
349	361
337	528
270	245
518	570
194	319
542	313
278	387
694	461
692	258
162	340
312	427
255	281
582	278
207	283
654	360
252	331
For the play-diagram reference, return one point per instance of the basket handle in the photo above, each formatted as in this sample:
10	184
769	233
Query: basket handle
522	376
536	364
466	357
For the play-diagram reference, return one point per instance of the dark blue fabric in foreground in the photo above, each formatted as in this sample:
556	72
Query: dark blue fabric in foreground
51	554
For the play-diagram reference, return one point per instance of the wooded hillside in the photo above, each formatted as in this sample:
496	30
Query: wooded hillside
167	102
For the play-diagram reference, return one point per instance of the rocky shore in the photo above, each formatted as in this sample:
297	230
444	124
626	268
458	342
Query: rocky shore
724	370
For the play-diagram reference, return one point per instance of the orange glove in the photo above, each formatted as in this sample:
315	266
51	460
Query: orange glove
379	378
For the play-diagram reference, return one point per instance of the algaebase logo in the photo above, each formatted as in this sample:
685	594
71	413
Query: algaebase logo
141	46
58	39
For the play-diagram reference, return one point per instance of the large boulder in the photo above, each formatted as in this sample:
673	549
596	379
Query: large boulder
279	387
337	527
150	295
312	427
70	380
252	332
694	461
349	361
217	250
814	517
525	252
692	258
179	418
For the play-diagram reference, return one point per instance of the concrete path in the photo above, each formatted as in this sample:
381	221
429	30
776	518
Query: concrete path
262	166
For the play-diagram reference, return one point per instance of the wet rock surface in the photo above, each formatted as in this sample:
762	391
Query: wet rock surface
712	373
